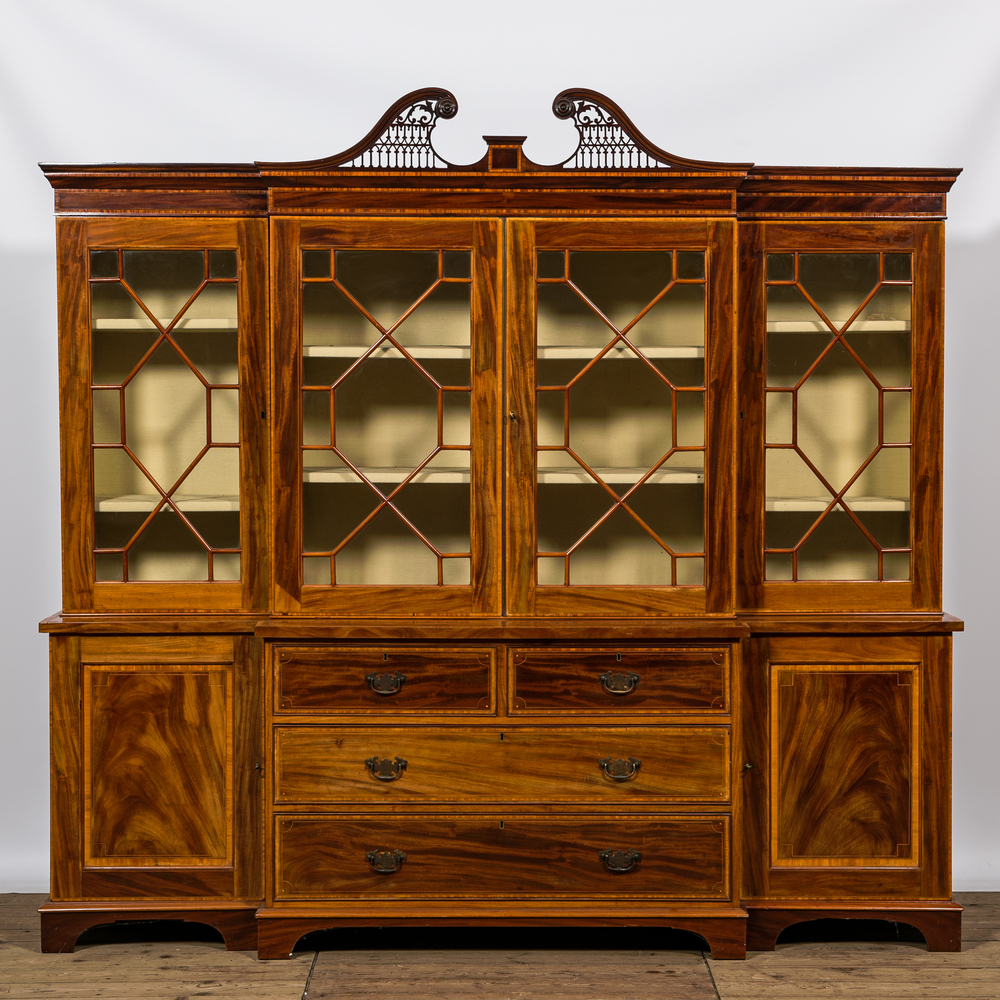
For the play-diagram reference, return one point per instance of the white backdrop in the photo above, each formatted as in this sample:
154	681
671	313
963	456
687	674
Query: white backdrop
879	83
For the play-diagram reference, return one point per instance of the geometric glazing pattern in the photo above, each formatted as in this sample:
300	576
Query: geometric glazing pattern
165	404
838	438
620	438
386	410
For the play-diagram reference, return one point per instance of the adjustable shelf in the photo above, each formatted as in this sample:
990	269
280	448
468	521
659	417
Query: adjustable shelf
858	326
459	353
114	323
546	476
857	504
130	503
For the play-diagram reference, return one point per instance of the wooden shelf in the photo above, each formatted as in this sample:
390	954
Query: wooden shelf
130	503
231	325
858	326
455	352
858	504
546	476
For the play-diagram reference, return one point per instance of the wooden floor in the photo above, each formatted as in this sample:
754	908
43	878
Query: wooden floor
491	965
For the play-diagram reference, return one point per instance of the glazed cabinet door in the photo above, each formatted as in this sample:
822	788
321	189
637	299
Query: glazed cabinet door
163	392
387	453
840	462
619	417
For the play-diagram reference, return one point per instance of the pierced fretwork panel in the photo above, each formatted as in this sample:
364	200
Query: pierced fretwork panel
405	143
165	393
605	144
837	438
386	417
621	418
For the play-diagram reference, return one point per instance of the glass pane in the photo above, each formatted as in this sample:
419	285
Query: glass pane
165	415
778	567
213	484
690	264
386	282
551	418
457	423
621	283
226	566
315	263
621	415
781	267
316	571
104	263
167	550
386	415
838	417
677	321
225	416
316	418
895	565
457	264
110	567
620	553
691	572
107	416
896	267
778	417
838	550
122	333
386	551
838	282
164	279
566	321
551	264
551	571
896	417
222	263
456	572
329	320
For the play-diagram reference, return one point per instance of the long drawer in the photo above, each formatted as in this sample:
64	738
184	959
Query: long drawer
321	764
649	680
320	857
384	680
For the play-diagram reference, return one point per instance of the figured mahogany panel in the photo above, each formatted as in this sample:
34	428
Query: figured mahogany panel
844	765
157	764
334	680
637	680
679	764
681	857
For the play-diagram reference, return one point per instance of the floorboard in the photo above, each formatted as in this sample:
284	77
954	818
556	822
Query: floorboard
187	961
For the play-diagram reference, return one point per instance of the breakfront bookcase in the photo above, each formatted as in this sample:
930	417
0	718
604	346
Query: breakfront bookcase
500	544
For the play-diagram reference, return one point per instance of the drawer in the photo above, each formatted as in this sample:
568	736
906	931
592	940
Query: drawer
627	679
418	765
682	857
389	680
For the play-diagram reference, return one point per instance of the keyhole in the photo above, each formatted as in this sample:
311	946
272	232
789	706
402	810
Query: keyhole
501	824
619	655
501	737
385	656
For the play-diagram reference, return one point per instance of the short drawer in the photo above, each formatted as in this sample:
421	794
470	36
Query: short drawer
410	765
627	679
680	857
390	680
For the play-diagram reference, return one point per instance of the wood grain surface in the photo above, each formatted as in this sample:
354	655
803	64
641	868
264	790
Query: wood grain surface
327	765
319	857
157	746
333	679
844	751
669	679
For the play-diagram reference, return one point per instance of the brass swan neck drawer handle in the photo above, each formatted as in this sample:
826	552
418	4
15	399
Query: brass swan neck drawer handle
386	862
621	861
386	769
618	768
386	684
619	681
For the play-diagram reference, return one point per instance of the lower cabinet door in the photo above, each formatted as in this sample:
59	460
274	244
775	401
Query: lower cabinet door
674	857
